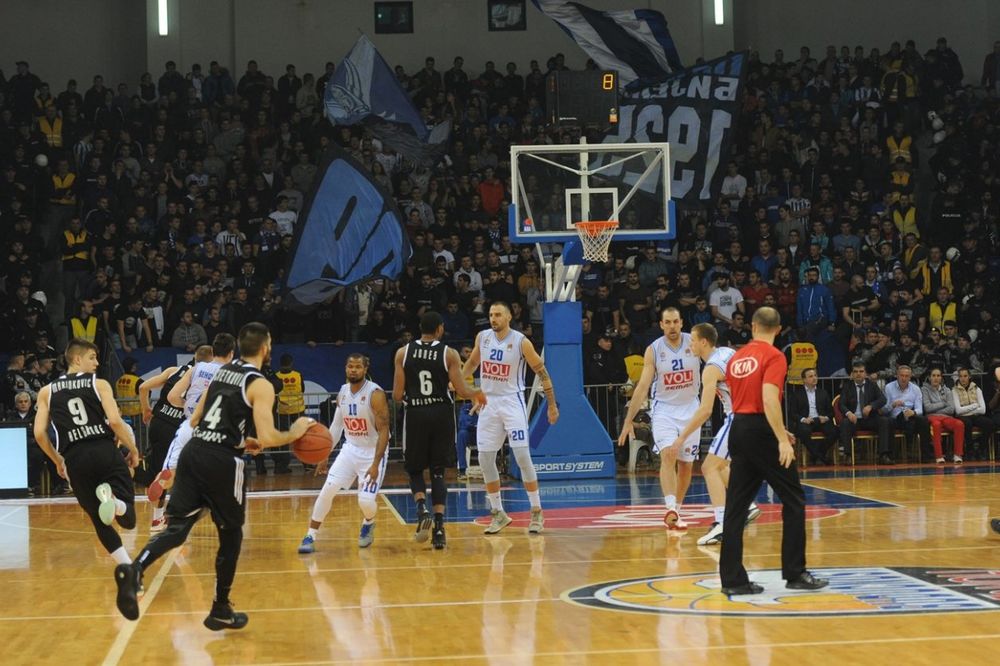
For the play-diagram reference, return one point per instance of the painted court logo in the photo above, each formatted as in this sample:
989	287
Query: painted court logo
852	591
642	516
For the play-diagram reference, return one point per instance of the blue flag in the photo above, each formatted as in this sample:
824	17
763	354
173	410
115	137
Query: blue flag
634	42
350	231
364	90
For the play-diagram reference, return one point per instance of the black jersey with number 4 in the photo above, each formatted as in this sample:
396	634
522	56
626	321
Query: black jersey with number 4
76	412
426	371
227	413
163	409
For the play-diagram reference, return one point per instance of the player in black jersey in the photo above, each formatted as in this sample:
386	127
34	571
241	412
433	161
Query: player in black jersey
86	420
163	419
210	473
424	369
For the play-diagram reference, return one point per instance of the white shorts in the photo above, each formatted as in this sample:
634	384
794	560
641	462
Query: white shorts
352	463
667	426
183	436
503	417
720	443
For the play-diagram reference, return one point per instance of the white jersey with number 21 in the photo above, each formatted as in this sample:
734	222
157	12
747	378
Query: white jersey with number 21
677	384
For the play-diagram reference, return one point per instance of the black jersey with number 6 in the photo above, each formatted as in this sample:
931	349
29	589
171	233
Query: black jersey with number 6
76	411
227	411
426	371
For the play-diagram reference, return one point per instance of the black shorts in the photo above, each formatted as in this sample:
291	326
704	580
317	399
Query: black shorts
160	433
209	477
91	463
429	437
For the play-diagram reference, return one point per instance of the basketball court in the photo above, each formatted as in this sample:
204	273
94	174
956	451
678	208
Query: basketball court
913	566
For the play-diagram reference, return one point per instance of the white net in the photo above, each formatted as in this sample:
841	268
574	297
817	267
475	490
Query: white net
595	237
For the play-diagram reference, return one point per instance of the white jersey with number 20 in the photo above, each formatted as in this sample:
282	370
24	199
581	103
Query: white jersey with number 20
501	364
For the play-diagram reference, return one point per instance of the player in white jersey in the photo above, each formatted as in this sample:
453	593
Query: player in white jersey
501	354
715	469
188	390
362	417
674	394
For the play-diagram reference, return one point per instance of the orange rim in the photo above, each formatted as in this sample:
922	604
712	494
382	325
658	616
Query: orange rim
595	228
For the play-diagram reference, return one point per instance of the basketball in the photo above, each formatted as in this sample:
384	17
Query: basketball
314	446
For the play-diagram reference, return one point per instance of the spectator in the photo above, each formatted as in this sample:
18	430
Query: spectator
940	409
905	409
970	409
861	402
725	301
814	304
188	335
810	411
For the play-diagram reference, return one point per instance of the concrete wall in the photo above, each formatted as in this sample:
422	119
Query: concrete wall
64	39
119	38
971	26
310	32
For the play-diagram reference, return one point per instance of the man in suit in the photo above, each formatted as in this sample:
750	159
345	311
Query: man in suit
860	402
810	410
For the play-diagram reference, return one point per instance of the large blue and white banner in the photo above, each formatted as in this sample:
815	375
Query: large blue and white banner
634	42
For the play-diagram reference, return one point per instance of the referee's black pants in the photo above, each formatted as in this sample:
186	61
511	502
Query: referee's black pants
754	452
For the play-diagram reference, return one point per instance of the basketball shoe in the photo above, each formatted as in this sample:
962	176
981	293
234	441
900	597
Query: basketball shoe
222	616
713	536
499	520
367	535
424	522
307	546
160	485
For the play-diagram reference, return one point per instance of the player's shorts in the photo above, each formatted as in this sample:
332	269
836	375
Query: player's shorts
429	437
667	425
183	436
93	462
352	463
720	443
503	417
210	477
160	433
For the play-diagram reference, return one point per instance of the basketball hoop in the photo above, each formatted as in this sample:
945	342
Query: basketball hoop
596	238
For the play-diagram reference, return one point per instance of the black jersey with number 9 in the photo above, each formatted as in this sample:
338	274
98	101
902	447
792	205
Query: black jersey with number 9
76	412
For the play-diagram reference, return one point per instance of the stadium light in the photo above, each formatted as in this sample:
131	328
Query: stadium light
720	13
162	16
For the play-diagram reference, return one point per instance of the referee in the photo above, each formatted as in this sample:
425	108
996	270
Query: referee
761	451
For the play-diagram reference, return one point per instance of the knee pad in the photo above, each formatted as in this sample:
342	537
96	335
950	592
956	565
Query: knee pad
439	489
418	484
523	458
488	462
366	501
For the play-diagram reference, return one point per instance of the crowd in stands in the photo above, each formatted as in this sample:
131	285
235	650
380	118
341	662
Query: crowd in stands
860	200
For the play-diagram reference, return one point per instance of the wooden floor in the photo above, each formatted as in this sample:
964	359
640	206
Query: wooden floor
915	565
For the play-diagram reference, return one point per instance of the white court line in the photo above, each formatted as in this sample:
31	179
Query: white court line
480	565
660	649
125	634
850	494
394	510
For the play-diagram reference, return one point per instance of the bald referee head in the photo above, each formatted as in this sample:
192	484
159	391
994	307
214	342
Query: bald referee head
766	324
